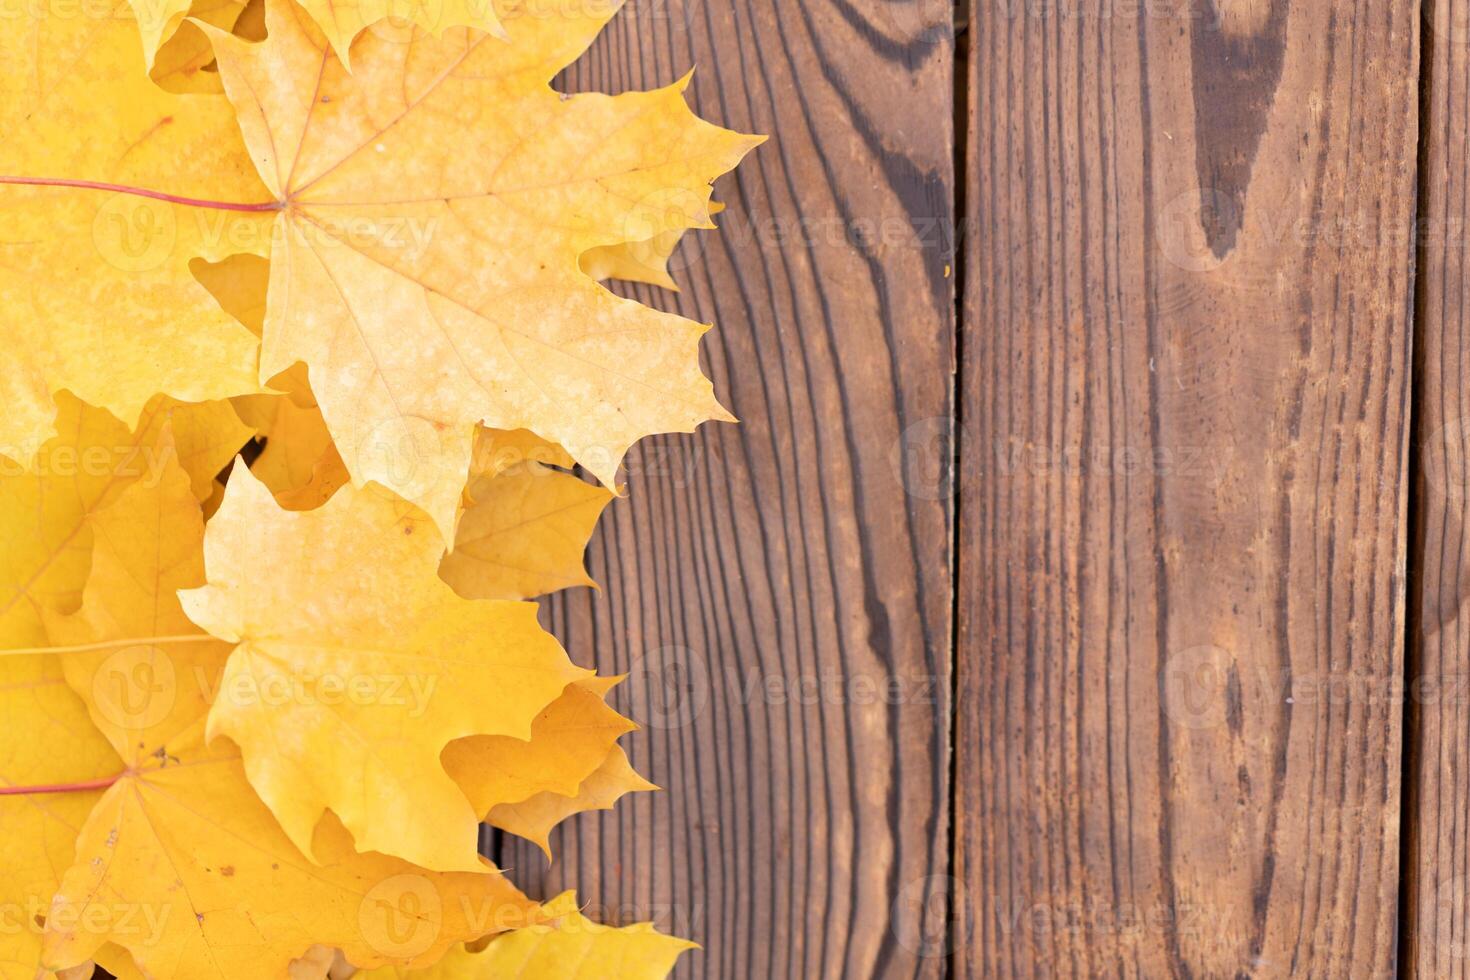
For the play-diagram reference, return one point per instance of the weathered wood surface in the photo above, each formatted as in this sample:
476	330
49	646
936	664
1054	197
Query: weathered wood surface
1436	931
780	590
1185	392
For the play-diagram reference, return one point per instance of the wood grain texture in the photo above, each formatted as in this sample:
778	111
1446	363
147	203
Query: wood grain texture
1436	928
762	581
1185	385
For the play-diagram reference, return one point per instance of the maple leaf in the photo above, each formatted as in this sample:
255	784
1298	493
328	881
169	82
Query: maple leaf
239	284
568	947
384	665
130	640
569	741
299	462
497	451
94	268
44	506
639	261
181	63
211	885
38	830
523	534
572	947
435	205
535	818
159	22
183	832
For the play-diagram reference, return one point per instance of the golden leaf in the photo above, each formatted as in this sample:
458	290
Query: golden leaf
227	896
44	508
569	741
181	63
523	534
94	259
425	264
299	462
180	863
569	947
535	818
353	645
47	740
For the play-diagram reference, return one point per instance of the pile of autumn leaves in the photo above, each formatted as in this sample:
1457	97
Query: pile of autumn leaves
302	339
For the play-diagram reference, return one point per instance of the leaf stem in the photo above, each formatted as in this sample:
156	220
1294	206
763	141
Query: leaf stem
94	185
110	644
83	787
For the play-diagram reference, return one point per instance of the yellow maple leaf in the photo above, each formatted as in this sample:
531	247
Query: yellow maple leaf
239	284
425	263
102	278
183	836
497	450
181	62
299	462
523	534
44	505
568	947
573	947
394	21
569	741
639	261
535	818
159	21
354	645
151	670
179	862
46	741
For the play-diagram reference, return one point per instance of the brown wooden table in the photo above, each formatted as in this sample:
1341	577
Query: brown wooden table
1108	622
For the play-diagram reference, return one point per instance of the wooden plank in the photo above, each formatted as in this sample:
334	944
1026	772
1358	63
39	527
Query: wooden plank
1436	930
1182	523
754	566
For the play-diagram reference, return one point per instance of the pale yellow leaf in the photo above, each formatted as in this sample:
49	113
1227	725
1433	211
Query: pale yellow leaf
523	534
569	947
46	740
426	263
95	287
640	261
569	741
182	839
44	506
535	818
151	671
379	663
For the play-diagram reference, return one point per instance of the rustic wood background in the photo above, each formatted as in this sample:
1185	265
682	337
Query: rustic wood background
1080	595
782	604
